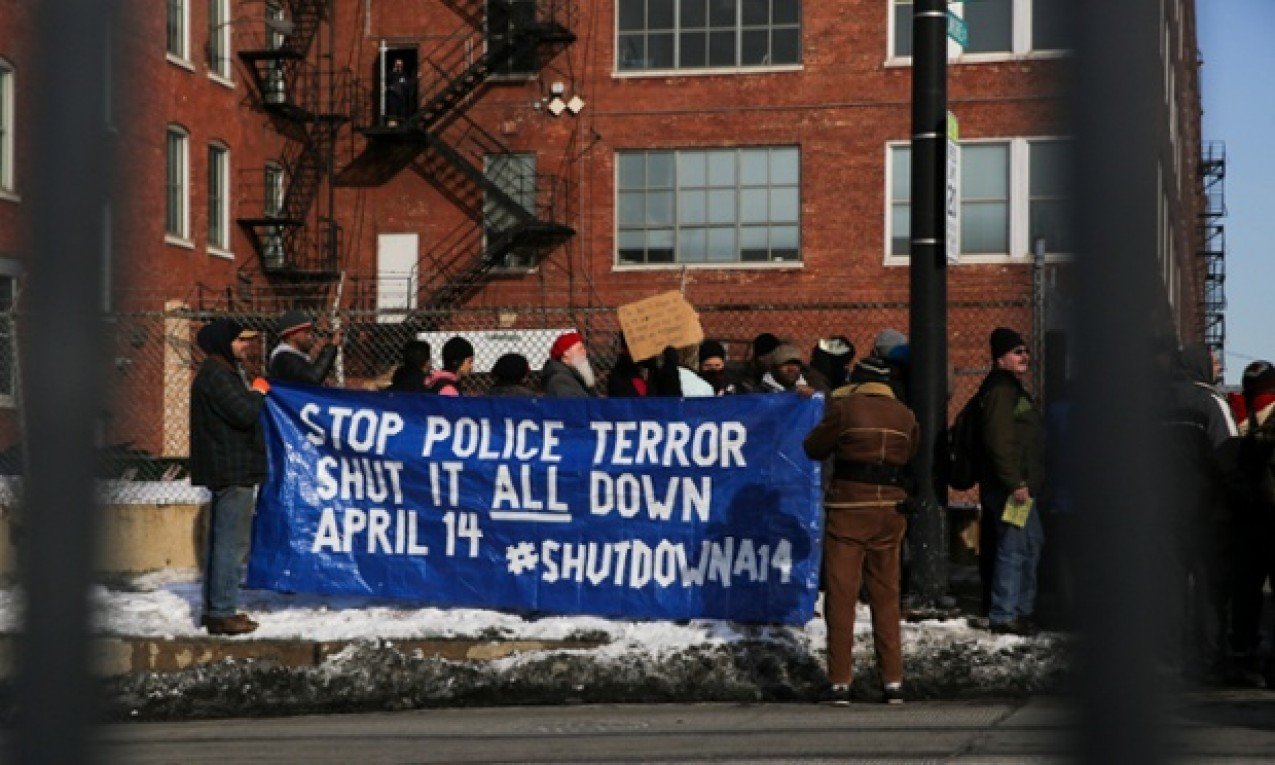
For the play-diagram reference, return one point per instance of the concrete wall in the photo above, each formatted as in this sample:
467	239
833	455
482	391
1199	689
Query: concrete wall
136	539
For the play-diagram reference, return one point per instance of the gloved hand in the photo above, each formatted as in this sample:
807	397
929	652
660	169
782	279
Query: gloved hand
261	386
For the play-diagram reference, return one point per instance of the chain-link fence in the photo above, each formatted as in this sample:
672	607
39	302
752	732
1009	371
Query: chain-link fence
145	437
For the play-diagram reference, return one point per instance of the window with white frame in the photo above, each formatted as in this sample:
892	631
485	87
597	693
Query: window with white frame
274	185
9	272
218	197
1012	193
707	34
6	126
708	206
176	183
178	29
219	38
994	26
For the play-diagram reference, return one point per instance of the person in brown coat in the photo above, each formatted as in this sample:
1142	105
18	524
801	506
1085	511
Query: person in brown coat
872	437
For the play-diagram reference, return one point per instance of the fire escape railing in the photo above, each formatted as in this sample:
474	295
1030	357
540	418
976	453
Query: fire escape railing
436	140
1213	245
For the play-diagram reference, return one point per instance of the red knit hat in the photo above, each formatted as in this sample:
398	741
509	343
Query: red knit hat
563	344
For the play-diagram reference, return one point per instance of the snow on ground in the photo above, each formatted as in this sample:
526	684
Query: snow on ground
639	661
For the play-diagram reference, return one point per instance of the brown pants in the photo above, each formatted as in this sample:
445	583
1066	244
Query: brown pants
863	546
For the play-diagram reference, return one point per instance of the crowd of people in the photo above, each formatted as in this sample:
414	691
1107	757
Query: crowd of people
1223	519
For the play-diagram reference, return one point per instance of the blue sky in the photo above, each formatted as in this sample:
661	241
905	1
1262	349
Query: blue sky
1235	39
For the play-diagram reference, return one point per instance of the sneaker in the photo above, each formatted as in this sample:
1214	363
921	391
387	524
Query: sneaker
894	693
239	624
837	695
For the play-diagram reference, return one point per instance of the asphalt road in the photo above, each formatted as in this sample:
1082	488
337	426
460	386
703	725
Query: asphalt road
1216	727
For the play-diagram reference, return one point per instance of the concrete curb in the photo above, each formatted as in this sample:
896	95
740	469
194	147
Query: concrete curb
117	656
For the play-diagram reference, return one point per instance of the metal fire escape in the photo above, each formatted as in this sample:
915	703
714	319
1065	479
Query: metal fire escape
1213	245
518	213
293	227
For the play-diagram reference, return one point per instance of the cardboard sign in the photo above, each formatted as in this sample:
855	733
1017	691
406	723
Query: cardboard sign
657	322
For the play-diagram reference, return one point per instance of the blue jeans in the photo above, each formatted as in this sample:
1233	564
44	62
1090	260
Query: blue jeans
229	528
1017	558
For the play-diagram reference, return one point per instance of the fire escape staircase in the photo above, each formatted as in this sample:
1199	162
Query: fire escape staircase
308	106
1213	245
426	141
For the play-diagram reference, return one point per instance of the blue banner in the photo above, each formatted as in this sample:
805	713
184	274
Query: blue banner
637	508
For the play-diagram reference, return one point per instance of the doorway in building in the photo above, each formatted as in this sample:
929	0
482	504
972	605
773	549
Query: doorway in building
397	91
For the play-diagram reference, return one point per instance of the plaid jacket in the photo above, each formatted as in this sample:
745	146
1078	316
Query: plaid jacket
226	443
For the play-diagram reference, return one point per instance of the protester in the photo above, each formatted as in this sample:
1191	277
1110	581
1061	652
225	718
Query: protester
227	455
713	368
832	357
873	437
567	373
458	363
290	361
891	346
1202	449
1254	537
511	372
787	372
750	377
1011	478
410	375
627	378
683	362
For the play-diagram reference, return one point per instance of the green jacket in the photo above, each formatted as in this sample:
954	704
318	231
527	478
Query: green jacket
1013	435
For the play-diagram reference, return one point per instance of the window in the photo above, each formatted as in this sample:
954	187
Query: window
1049	208
219	38
178	29
273	178
995	26
505	20
997	219
176	184
708	206
218	197
9	272
6	127
514	175
274	87
707	34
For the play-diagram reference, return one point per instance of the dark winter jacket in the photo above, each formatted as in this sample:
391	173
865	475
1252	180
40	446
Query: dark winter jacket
510	390
1013	432
1201	443
867	425
226	443
291	365
561	381
407	380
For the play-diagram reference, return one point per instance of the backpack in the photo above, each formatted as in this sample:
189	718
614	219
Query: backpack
965	445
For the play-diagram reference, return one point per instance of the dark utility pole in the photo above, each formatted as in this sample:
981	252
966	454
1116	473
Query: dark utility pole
928	284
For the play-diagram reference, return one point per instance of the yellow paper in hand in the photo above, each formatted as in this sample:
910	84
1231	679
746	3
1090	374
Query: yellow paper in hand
1016	513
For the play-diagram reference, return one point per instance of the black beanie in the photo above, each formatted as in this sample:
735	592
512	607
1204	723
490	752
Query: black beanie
1004	340
511	369
1259	378
763	344
455	351
870	369
711	349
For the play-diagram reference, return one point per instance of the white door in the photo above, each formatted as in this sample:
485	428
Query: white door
397	262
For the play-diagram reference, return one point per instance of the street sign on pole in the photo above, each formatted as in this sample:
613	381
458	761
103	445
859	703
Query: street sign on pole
953	201
957	31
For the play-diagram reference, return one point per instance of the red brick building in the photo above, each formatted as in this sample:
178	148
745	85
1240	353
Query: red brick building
579	155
